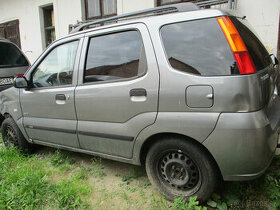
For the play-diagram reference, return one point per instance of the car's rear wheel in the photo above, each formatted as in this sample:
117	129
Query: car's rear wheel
12	136
180	168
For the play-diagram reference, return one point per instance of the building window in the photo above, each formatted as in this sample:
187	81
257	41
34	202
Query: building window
100	8
49	26
201	3
165	2
10	30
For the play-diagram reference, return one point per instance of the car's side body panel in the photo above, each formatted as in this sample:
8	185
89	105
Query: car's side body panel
235	122
109	117
45	117
243	144
194	125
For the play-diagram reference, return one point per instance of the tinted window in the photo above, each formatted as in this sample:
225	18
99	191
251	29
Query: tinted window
57	67
198	47
115	56
10	56
257	51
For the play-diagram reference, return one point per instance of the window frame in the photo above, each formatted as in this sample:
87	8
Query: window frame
48	28
101	3
33	68
169	3
100	33
15	38
166	56
19	51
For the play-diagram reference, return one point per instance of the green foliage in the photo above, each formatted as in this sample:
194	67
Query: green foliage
36	182
217	203
81	174
24	185
60	158
132	175
96	167
181	204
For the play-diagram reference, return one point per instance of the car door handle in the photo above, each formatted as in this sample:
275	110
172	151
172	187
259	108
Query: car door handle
60	97
138	92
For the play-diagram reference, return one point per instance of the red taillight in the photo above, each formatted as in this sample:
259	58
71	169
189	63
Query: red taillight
244	62
20	75
240	52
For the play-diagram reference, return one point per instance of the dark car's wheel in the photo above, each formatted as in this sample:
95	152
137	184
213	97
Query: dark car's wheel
179	168
12	136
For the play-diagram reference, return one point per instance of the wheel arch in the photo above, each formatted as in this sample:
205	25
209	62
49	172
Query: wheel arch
3	117
157	137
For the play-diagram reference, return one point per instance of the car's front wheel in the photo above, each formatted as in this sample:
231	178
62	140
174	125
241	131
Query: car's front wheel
180	168
12	136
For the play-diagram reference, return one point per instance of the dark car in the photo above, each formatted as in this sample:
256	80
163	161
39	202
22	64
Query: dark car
12	63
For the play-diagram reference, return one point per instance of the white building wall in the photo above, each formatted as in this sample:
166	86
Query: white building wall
262	14
29	13
125	6
264	17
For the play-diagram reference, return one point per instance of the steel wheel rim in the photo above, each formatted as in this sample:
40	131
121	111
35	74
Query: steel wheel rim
10	137
177	170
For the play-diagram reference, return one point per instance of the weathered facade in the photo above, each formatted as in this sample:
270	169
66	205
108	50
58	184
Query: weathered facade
34	24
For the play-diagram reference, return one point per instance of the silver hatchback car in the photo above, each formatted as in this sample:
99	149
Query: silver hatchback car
188	93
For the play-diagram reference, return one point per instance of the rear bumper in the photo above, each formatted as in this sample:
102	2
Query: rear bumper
243	144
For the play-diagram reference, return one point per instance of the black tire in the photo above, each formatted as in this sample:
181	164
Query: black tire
180	168
12	136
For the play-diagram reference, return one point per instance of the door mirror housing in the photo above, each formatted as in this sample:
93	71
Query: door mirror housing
20	82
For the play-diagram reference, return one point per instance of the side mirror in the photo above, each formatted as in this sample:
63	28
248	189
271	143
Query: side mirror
20	82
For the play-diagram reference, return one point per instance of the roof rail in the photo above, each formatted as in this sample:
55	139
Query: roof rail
211	2
181	7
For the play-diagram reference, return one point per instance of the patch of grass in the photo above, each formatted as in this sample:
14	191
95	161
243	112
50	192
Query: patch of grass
60	158
192	204
131	189
96	167
36	182
159	202
82	174
132	175
24	185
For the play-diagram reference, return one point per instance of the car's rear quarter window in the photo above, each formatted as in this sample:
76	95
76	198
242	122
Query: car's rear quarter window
198	47
257	51
10	56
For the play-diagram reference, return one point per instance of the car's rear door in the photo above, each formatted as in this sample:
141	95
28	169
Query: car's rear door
117	94
48	107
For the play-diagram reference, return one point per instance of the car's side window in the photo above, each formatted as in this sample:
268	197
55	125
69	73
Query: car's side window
57	67
115	56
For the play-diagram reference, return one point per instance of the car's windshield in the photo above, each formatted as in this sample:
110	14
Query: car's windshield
10	56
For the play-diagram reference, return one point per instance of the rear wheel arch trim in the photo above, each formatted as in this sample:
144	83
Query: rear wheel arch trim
150	141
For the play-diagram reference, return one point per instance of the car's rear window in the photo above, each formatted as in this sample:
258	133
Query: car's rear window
10	56
198	47
257	51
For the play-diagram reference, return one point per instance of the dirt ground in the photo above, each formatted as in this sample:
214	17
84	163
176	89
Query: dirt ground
115	185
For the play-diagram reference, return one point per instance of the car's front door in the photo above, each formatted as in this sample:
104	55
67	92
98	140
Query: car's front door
117	95
48	107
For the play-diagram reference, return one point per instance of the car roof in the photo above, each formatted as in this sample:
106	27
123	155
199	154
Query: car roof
189	15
